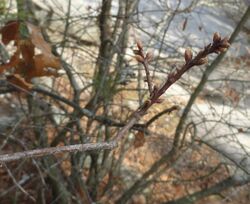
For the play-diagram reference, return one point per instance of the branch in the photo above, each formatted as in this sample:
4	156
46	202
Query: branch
204	79
157	116
215	189
18	185
87	113
144	60
218	45
55	150
170	156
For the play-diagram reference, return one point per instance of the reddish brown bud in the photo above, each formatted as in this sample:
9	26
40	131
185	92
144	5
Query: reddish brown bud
216	37
225	45
202	61
139	58
188	55
225	40
147	103
139	45
200	53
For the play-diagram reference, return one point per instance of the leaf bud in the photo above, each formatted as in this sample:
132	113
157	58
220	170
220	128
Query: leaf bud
225	40
188	55
202	61
139	45
139	58
216	37
225	44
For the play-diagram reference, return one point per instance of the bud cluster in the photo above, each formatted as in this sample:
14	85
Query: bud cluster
219	45
139	54
144	59
188	55
223	44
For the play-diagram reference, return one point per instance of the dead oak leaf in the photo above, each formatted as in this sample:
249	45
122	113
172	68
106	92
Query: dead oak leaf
26	63
27	50
12	62
139	139
10	32
38	40
18	81
42	67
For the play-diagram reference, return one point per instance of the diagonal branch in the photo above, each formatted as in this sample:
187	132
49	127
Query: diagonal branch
218	45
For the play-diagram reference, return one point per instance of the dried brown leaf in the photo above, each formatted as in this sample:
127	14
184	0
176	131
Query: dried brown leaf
29	65
19	82
38	40
41	63
139	139
27	50
10	32
14	60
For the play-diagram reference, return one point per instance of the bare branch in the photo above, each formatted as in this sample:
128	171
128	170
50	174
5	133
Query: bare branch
18	185
219	45
55	150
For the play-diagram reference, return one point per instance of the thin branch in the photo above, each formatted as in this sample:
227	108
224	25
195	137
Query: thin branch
144	60
18	185
157	116
236	163
222	185
55	150
87	113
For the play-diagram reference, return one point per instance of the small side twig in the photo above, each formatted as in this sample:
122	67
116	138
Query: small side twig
144	59
154	118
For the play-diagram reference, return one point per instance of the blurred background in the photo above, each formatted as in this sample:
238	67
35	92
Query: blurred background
207	110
